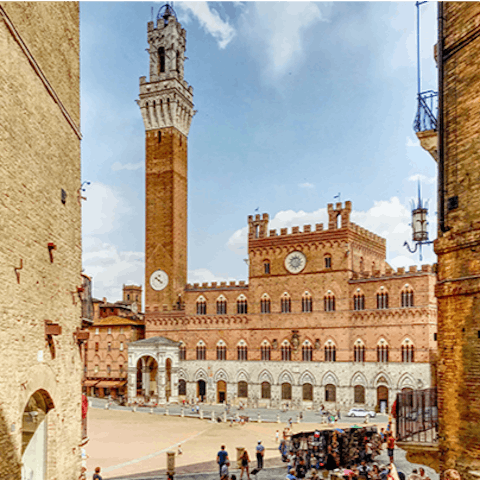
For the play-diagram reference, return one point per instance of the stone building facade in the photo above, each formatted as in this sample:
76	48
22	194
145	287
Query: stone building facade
40	242
322	319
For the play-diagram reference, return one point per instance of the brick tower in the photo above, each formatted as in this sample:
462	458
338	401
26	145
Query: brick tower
167	110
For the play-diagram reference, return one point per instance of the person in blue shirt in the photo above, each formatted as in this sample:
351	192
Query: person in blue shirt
222	458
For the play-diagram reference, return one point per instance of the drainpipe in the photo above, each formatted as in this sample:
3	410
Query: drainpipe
441	129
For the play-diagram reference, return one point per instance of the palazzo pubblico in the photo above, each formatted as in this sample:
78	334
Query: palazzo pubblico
323	319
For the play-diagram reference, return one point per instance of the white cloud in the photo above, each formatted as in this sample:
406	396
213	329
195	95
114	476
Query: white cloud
102	209
111	268
127	166
210	21
424	180
201	275
306	185
278	30
388	218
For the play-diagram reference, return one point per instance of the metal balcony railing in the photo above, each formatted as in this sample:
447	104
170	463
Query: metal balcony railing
427	110
417	416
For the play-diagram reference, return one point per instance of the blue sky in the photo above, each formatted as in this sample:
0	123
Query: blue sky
296	103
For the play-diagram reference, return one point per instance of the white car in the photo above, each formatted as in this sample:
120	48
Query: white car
360	412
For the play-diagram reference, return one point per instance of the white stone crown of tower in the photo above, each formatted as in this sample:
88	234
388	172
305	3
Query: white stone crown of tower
167	99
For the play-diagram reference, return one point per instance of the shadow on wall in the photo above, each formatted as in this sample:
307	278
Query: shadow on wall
10	468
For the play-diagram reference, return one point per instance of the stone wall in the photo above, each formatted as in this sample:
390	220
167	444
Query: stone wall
40	241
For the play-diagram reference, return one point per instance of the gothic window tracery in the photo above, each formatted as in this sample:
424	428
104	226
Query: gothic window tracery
329	302
382	351
286	303
406	297
265	304
307	303
382	300
242	305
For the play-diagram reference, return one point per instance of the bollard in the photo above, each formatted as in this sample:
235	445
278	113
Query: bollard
166	411
366	419
225	417
278	418
213	416
151	410
134	408
201	414
171	463
182	412
90	404
259	420
298	418
106	406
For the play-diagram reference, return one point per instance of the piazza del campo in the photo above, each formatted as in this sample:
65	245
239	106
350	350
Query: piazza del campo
326	362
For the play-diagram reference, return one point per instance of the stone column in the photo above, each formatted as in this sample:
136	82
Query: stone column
132	384
174	385
146	380
161	385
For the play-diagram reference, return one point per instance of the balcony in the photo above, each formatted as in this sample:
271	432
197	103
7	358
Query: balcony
417	426
425	124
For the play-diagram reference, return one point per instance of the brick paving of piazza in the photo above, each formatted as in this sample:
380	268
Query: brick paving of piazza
133	445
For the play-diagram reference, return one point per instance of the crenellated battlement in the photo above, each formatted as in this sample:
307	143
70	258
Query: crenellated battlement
367	233
390	272
232	285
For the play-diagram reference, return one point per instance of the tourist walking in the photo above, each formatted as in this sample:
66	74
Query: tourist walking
222	458
244	459
390	445
96	475
260	453
224	471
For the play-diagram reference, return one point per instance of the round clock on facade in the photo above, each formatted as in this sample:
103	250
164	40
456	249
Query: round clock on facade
158	280
295	262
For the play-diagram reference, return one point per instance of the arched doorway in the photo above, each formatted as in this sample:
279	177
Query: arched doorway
382	398
221	391
147	368
201	390
168	379
34	435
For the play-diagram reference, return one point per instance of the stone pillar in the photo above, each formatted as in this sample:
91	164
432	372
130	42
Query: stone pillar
161	385
146	380
132	384
174	385
201	413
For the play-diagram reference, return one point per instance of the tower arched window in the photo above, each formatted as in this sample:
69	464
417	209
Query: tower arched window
382	351
406	297
329	302
359	351
177	62
242	351
201	350
201	306
161	60
359	301
408	352
265	304
242	306
286	303
265	350
330	352
221	305
307	351
382	300
307	303
266	267
221	350
182	352
286	351
328	261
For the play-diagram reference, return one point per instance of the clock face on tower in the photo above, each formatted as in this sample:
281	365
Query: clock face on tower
158	280
295	262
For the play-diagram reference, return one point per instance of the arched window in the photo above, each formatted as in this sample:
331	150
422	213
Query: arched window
362	265
177	63
307	303
286	303
406	297
329	302
221	350
242	389
382	300
265	304
182	352
330	393
359	394
242	304
266	390
161	60
182	387
265	350
201	350
286	391
382	351
307	351
307	389
359	301
359	351
242	351
201	306
408	351
286	350
266	267
221	305
328	260
330	352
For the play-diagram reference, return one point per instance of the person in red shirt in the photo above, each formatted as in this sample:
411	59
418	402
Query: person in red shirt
390	446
